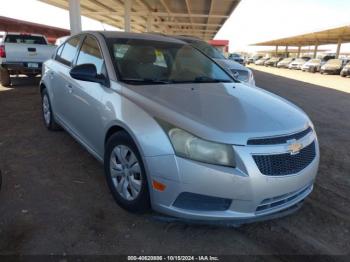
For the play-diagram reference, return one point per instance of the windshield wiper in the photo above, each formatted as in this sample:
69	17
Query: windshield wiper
205	79
146	81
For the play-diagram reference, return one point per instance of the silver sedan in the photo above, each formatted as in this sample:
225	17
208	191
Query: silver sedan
176	132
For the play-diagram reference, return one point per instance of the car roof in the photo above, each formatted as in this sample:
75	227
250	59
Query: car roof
142	36
188	38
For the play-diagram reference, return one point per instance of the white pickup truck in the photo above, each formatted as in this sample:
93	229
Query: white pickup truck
22	54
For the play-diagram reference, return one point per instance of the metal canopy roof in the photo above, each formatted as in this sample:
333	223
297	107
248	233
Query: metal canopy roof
330	36
200	18
8	24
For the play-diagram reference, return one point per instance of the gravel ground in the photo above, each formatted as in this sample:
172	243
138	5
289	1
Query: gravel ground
54	199
335	82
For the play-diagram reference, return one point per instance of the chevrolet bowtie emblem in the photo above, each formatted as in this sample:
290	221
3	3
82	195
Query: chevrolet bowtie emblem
294	147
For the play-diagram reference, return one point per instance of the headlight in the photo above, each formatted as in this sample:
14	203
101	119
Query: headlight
189	146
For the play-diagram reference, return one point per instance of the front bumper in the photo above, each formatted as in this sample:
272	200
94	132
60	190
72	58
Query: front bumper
333	71
246	187
294	66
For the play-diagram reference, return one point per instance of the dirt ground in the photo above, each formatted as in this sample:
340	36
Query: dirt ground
54	199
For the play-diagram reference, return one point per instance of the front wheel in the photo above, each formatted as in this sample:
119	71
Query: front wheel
125	173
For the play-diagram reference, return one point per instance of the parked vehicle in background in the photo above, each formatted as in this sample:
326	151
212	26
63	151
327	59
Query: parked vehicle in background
253	59
22	54
60	40
285	62
237	70
261	61
273	61
297	63
176	132
333	66
237	58
313	65
346	70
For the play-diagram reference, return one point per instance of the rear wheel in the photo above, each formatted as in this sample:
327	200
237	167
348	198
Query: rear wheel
125	173
49	119
5	77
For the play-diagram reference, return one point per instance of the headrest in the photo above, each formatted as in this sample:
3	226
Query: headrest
142	54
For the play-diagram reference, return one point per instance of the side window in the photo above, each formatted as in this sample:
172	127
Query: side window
69	50
90	54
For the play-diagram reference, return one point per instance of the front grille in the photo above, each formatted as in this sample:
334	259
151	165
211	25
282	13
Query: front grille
285	164
278	139
199	202
278	201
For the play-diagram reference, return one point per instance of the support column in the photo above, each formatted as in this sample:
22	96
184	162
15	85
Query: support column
287	51
338	48
149	23
315	50
299	51
127	14
276	52
74	16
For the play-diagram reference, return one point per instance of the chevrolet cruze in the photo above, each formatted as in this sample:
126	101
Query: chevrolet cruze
176	132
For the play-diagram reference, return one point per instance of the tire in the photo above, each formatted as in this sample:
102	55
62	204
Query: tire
5	77
48	117
132	196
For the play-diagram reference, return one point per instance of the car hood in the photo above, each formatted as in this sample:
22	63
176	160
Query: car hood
222	112
330	66
312	64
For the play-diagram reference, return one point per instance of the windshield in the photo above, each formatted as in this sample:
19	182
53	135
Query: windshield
334	62
207	49
140	61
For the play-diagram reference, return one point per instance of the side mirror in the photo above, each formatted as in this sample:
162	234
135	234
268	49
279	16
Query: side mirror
88	72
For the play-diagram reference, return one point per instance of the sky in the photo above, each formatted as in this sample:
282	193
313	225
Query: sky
253	20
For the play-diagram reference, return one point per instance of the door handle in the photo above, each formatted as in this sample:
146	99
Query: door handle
70	88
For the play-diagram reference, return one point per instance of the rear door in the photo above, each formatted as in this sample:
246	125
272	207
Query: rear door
61	82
